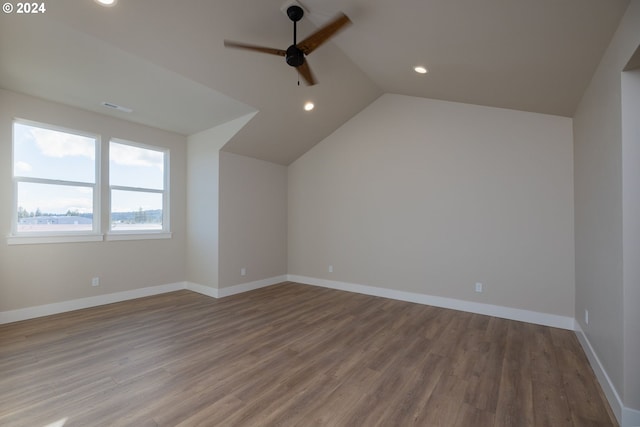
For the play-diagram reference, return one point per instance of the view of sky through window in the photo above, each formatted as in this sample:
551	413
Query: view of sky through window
137	181
53	155
57	183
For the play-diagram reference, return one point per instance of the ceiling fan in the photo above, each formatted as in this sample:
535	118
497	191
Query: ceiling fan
295	54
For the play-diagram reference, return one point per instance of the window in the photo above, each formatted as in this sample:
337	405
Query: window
138	182
55	178
57	187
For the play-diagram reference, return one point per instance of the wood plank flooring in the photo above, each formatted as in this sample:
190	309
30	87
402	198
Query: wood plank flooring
292	355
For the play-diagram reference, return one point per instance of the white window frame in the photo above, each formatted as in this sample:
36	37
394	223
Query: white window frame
165	232
31	237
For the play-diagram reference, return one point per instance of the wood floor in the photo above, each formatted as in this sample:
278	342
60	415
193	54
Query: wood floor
291	355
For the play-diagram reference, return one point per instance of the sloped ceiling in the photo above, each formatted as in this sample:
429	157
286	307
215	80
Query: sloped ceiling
165	60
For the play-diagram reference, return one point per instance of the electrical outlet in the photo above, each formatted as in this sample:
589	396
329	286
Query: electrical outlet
478	287
95	281
331	269
243	271
586	317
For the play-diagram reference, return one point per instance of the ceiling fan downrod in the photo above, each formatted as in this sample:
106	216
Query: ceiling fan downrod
294	56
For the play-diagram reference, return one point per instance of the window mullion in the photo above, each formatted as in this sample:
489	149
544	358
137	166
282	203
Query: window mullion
54	182
139	189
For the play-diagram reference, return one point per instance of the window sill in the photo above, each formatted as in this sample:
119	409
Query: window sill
42	239
140	235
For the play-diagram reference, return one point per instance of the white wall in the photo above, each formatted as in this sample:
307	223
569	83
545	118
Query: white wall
32	275
202	212
600	226
253	220
430	197
203	200
631	233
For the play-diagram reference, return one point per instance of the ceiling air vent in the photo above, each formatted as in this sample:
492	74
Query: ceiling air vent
117	107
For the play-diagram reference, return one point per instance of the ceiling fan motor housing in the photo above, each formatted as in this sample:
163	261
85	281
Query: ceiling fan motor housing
294	56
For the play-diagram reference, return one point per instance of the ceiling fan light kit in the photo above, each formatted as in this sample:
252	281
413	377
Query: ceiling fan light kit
295	55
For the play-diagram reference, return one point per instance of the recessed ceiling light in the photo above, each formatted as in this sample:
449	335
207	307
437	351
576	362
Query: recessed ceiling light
420	69
107	3
309	106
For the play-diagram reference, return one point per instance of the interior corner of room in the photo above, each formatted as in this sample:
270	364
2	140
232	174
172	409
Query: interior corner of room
492	210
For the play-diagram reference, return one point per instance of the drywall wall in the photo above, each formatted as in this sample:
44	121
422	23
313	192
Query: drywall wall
37	274
202	200
431	197
631	233
253	220
599	228
202	211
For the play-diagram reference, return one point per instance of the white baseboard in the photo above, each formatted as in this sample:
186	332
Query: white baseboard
630	417
201	289
246	287
603	378
563	322
627	417
78	304
236	289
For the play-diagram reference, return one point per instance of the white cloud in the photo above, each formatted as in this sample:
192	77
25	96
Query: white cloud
128	155
23	167
59	144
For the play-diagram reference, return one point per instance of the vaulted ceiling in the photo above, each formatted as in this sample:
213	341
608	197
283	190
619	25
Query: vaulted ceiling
165	60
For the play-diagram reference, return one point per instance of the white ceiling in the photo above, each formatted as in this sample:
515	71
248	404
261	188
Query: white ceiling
165	60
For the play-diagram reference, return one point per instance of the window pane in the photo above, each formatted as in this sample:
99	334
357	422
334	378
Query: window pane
135	210
51	208
50	154
131	166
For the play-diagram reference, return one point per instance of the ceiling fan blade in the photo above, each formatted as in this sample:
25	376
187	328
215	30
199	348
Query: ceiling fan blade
312	42
306	73
270	50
